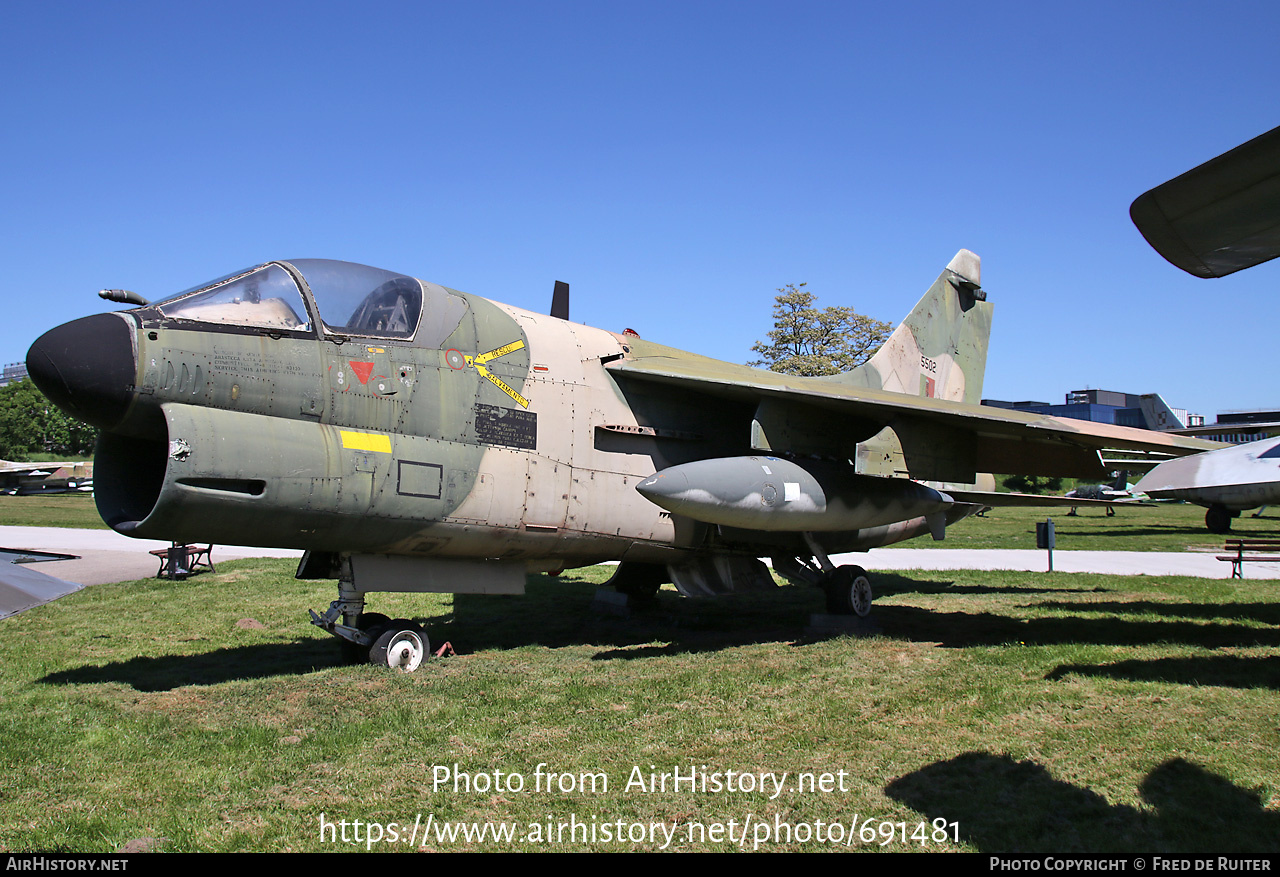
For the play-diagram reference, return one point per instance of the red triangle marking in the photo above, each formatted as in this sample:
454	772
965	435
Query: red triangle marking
362	370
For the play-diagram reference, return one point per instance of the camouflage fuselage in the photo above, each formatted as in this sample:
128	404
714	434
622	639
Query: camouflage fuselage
494	440
268	409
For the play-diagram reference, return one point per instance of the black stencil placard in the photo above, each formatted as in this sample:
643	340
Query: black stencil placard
509	427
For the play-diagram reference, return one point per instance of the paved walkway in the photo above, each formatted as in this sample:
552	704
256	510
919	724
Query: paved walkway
1151	563
102	556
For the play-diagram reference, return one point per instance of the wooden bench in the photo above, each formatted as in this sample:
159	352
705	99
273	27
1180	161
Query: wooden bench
181	560
1249	549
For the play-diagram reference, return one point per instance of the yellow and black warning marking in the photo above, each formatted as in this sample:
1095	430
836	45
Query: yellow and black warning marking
479	363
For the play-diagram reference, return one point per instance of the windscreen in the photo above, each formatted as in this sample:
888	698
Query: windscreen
265	296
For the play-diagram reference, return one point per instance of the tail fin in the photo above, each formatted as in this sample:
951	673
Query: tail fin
940	349
1157	414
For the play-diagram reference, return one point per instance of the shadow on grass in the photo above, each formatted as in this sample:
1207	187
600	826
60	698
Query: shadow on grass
1230	671
1010	806
887	584
556	612
960	630
211	668
1264	613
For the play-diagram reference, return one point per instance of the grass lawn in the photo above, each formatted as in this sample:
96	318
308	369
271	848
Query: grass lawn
50	510
1021	711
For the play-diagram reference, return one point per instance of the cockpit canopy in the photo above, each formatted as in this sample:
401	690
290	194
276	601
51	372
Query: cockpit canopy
350	299
359	300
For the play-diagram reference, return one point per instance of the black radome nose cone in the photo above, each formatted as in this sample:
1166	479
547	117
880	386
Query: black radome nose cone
87	368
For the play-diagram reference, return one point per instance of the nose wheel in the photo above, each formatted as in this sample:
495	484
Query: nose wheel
395	643
848	591
401	646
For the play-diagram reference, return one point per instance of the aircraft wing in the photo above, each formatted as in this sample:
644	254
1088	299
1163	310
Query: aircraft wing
1220	217
940	440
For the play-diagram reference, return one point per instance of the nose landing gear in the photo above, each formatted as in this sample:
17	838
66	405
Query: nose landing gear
395	643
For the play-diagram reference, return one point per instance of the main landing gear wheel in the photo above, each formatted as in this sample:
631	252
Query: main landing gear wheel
402	646
848	590
1218	519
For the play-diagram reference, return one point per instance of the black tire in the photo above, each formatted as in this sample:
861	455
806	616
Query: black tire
369	621
366	622
400	648
848	591
1217	519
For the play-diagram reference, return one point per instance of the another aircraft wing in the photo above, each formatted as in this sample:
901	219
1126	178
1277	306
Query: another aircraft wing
8	468
1220	217
940	440
997	499
1268	429
24	478
1130	463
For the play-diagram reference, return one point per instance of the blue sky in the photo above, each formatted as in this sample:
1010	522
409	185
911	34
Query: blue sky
675	162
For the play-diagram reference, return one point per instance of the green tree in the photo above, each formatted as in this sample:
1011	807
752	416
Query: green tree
30	423
1032	484
808	341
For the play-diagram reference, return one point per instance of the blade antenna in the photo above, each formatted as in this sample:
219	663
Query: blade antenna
560	300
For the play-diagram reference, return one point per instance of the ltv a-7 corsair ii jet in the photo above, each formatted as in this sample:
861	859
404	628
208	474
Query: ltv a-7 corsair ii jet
411	437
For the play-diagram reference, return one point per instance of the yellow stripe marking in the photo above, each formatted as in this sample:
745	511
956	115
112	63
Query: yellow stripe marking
366	441
501	351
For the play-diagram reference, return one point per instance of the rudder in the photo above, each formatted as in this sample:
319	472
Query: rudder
940	349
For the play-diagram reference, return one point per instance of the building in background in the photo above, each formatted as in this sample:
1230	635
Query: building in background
1141	411
13	372
1239	427
1149	411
